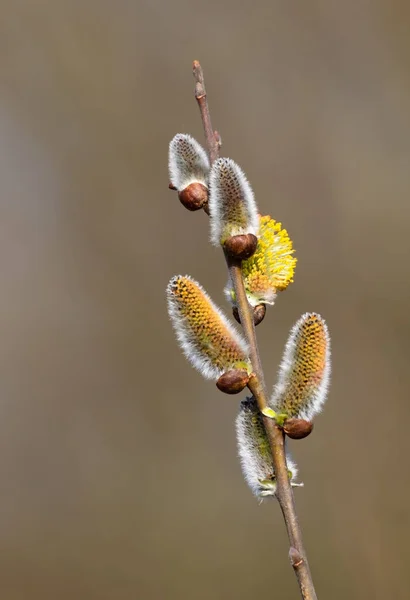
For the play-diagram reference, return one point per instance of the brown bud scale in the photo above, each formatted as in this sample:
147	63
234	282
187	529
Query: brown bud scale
259	313
233	381
242	246
297	429
235	313
194	196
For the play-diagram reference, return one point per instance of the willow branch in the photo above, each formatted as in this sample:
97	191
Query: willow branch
213	140
276	438
256	384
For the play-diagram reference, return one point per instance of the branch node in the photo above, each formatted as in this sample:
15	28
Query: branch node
295	557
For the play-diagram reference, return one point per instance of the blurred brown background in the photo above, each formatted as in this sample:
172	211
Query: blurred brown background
118	469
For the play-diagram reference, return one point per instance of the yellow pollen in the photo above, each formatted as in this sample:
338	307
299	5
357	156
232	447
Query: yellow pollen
207	329
309	364
271	268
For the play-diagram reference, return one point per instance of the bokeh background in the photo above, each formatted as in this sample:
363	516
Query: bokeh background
118	469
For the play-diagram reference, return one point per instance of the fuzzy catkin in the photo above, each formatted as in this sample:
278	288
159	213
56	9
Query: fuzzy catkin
304	373
254	451
232	207
270	269
207	338
188	162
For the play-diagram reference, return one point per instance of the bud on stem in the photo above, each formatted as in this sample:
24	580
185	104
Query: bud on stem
259	313
297	429
233	381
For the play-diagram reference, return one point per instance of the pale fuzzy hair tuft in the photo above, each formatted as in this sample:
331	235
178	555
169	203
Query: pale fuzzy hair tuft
298	364
232	206
232	341
229	292
188	162
254	451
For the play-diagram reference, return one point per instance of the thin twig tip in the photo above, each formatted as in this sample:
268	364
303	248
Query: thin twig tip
197	71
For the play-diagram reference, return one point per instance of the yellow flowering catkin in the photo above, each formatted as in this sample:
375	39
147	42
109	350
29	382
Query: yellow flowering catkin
305	369
270	269
206	337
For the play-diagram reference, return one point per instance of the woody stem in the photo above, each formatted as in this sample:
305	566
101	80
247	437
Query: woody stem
256	384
